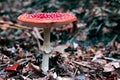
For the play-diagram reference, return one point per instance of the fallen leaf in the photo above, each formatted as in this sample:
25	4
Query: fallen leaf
100	61
13	67
91	50
34	67
25	69
60	48
108	68
115	64
65	27
20	55
98	54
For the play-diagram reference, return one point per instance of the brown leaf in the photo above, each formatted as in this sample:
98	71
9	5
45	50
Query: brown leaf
100	61
105	30
98	54
108	68
91	50
65	27
60	48
115	64
25	69
34	67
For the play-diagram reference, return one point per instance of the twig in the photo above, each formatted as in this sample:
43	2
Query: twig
15	26
90	27
112	59
36	37
98	28
84	65
111	43
75	72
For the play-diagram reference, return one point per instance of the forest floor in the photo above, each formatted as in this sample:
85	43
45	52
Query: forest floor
87	49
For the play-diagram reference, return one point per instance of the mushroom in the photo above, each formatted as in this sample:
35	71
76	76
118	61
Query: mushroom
46	21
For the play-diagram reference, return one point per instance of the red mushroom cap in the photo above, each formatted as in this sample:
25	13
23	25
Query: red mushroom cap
47	19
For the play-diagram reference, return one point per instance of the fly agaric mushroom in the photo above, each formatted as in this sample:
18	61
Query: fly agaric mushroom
46	21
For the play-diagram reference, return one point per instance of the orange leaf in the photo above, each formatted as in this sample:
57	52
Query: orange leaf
91	50
13	67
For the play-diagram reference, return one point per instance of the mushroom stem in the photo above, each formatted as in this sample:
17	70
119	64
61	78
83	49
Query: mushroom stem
45	62
47	49
46	45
